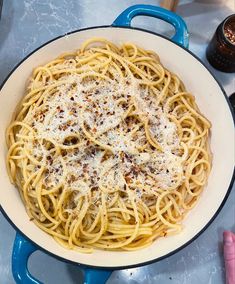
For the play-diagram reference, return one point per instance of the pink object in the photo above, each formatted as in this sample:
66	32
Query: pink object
229	256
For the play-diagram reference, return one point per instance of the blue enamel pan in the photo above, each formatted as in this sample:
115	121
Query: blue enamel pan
212	102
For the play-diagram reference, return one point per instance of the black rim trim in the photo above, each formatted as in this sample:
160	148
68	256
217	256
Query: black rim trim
179	248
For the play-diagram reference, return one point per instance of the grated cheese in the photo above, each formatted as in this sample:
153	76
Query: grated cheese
100	107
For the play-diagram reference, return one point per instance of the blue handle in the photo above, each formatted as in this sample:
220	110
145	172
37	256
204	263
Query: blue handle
95	276
22	250
181	31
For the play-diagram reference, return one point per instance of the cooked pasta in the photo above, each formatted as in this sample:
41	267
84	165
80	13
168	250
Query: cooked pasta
107	148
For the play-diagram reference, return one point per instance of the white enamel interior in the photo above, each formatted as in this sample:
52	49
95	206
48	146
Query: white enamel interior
211	102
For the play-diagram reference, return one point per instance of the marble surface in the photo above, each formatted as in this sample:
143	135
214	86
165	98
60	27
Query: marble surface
27	24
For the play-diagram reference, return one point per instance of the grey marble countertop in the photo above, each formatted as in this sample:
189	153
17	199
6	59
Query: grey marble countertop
27	24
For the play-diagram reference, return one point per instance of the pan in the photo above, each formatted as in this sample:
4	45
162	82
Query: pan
211	100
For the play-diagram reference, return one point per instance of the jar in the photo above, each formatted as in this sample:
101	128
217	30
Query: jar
221	50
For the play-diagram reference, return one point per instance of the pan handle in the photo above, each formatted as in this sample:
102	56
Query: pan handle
181	31
22	250
95	276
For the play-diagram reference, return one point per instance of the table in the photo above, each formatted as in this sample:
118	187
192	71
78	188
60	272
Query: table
27	24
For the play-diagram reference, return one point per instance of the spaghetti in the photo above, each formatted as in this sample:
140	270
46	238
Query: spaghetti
107	148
